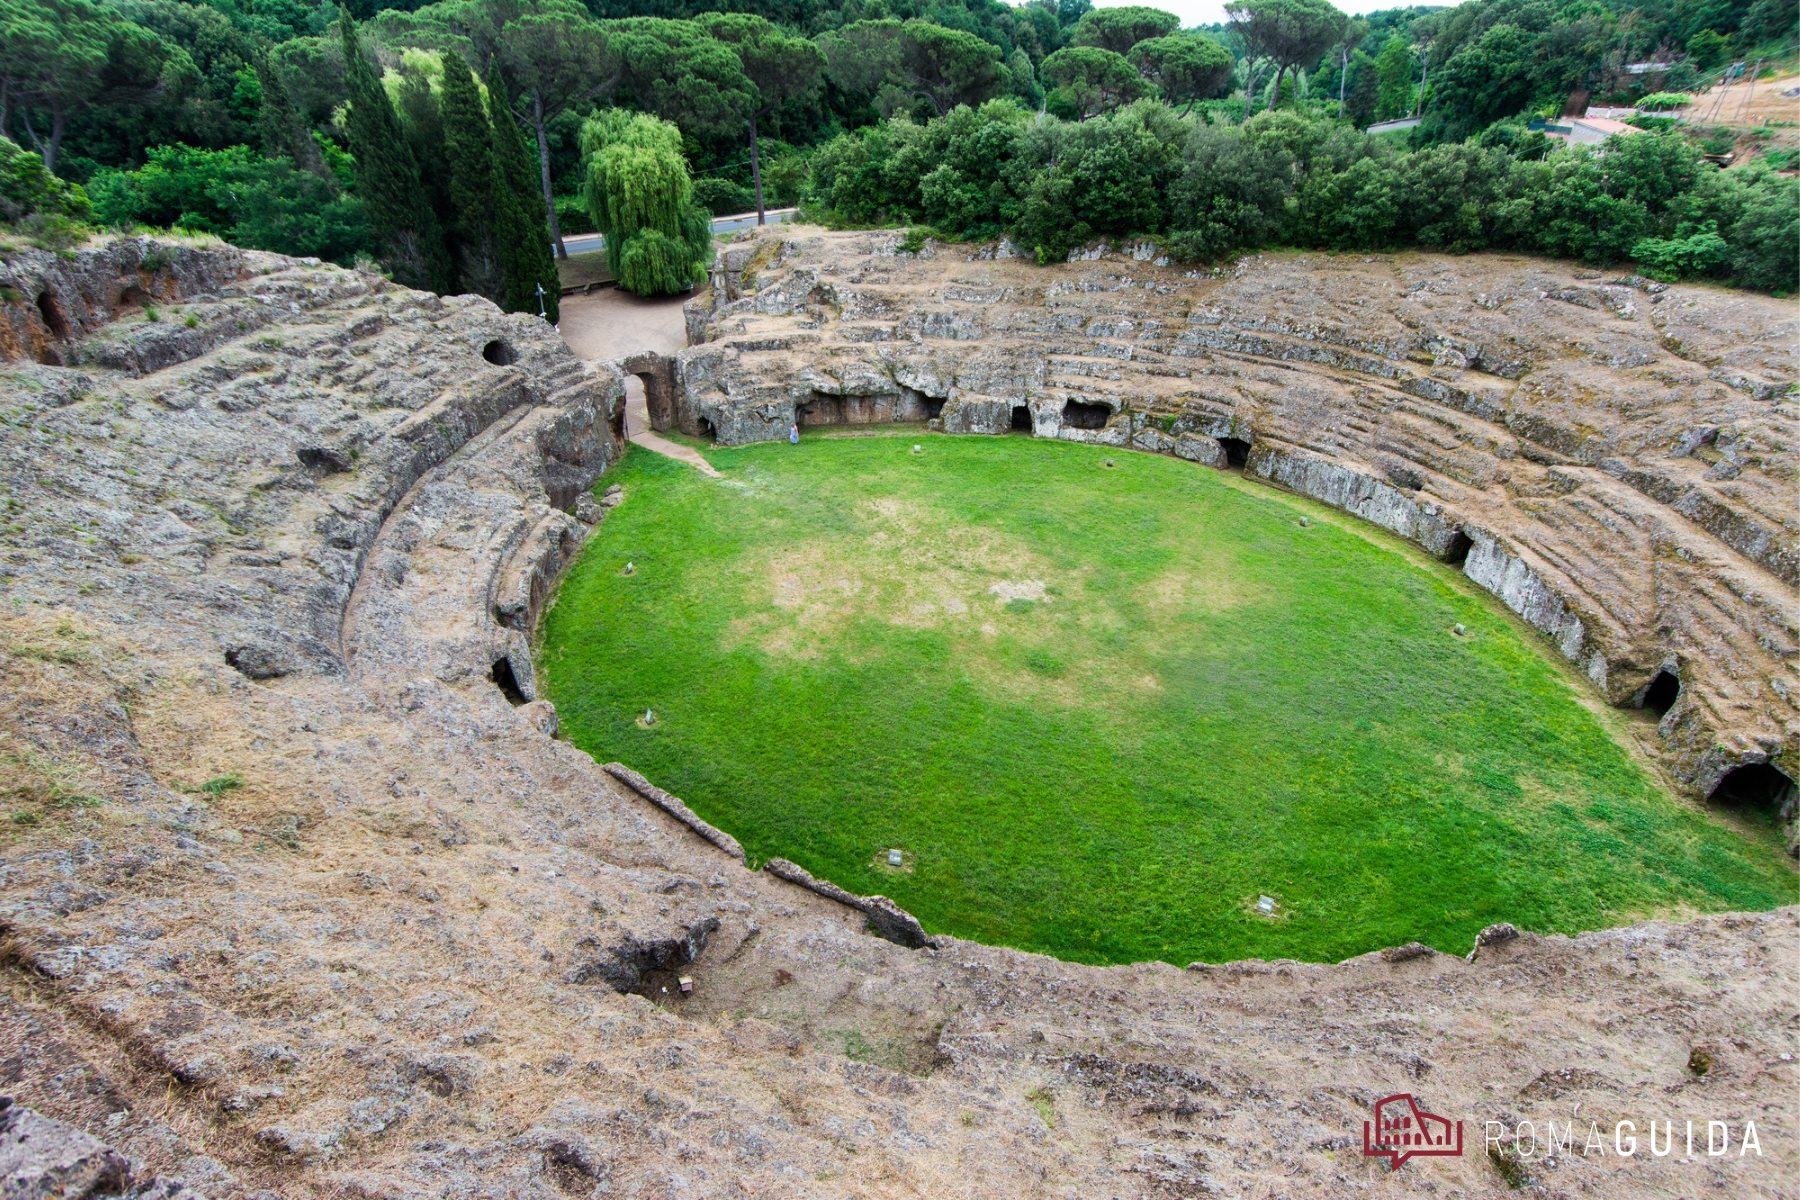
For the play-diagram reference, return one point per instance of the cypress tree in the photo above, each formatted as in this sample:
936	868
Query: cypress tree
417	107
469	144
521	231
387	176
283	136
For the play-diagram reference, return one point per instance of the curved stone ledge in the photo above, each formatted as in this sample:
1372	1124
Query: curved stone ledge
886	919
675	808
333	915
1379	503
1613	460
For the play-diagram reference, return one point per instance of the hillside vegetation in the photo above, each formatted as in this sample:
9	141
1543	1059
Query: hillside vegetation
458	142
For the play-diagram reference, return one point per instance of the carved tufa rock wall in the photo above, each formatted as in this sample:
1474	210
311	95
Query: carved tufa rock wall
1614	459
304	899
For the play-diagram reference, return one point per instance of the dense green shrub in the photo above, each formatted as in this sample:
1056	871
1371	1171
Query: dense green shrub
1671	258
572	215
27	189
721	196
262	203
1765	238
1301	179
1101	177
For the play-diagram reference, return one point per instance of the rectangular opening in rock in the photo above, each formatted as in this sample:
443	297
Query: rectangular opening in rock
507	682
1077	415
1757	788
1458	551
822	409
1237	451
1662	693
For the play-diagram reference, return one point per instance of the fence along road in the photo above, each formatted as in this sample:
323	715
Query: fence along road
581	243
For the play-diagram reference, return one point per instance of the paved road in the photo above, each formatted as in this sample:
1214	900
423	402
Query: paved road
582	242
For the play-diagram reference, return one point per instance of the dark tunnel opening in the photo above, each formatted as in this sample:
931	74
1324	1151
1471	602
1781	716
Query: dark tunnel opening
1458	552
1662	693
1757	788
507	682
1086	416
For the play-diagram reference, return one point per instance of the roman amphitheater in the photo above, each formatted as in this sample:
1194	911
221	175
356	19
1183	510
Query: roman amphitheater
304	892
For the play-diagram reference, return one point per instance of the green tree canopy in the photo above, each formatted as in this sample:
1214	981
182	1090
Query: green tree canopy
282	133
681	73
950	67
1185	67
1394	73
55	57
1490	78
555	56
895	61
1090	81
1290	34
780	68
1708	48
1119	29
640	195
1365	94
862	56
27	187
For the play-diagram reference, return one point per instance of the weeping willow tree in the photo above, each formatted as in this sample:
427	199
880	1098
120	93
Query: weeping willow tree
639	193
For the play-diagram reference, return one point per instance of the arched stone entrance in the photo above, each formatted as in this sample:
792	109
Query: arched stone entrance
657	371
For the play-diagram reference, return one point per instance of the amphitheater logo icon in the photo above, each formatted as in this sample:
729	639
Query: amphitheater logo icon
1402	1130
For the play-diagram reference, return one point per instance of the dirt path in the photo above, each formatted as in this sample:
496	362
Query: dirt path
611	324
1765	103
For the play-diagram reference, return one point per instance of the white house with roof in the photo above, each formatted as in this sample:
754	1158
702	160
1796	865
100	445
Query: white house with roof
1591	131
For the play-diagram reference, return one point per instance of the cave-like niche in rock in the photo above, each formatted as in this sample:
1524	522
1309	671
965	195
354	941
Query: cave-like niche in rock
1077	415
52	313
1662	693
1755	787
707	429
1457	553
507	682
822	409
500	353
1021	418
1237	451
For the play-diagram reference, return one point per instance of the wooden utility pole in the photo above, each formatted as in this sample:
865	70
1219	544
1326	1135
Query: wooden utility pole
1749	91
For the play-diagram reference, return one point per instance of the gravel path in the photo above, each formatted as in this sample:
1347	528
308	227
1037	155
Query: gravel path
610	324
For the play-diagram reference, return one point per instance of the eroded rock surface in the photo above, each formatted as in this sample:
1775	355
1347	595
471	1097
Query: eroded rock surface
304	900
1615	459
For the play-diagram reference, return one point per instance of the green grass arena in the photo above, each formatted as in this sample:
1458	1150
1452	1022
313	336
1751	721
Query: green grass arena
1102	710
